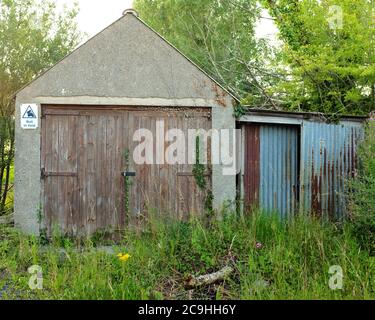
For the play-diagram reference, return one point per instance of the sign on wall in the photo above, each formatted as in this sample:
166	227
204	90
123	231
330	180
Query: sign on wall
29	116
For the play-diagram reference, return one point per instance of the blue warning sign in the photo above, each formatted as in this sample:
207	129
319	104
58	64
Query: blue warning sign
29	113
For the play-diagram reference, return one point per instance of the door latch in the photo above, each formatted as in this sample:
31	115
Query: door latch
43	173
128	174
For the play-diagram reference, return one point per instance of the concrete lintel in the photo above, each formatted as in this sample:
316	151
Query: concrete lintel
90	100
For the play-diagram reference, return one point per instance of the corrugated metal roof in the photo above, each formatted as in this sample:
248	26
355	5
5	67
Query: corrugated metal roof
313	116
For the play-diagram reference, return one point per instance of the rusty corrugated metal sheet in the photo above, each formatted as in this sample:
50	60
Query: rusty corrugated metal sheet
328	158
252	172
304	167
279	168
271	167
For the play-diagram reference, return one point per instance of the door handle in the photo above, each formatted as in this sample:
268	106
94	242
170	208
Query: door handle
128	174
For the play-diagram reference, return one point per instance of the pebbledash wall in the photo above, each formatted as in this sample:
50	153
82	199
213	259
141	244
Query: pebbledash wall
127	64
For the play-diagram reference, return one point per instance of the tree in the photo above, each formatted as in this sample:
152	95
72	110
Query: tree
219	35
329	54
33	37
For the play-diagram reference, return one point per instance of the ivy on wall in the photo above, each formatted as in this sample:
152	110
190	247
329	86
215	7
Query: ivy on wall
200	172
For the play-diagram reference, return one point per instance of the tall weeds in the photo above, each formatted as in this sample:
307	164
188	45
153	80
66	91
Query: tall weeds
272	259
362	193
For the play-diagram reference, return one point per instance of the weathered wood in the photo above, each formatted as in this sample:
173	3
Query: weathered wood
83	157
59	164
195	282
60	174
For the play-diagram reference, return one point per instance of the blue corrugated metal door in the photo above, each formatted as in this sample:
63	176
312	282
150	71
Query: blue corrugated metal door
279	167
328	160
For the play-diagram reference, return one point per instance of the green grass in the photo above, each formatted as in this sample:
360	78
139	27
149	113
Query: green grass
293	262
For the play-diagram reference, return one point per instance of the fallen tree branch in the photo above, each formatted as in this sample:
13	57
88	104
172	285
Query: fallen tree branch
208	279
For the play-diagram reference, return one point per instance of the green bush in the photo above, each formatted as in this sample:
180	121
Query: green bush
362	196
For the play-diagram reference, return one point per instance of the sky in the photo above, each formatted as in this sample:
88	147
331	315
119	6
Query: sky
95	15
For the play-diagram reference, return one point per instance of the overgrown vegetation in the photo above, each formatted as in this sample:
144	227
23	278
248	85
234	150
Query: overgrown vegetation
201	172
6	164
329	50
273	259
33	37
363	191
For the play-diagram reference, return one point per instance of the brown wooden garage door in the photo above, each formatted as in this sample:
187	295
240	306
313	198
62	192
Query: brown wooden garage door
83	159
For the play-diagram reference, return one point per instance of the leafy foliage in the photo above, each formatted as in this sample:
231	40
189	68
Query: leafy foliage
363	189
200	172
329	54
33	37
6	163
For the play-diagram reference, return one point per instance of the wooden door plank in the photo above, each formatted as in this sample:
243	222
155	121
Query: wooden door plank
118	185
101	173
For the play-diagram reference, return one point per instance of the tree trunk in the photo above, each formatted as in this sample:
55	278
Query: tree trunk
2	158
7	174
6	158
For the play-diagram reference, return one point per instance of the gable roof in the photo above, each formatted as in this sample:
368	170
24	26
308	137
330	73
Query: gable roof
126	59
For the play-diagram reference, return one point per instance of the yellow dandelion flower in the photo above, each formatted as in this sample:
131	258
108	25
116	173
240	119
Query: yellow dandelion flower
125	257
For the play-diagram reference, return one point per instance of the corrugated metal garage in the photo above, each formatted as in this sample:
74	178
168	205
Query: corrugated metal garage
298	161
